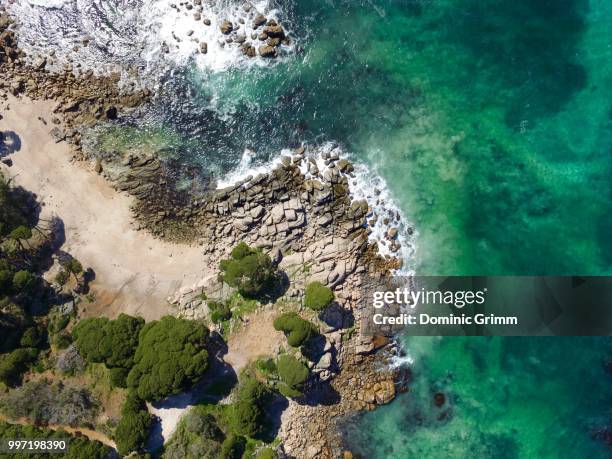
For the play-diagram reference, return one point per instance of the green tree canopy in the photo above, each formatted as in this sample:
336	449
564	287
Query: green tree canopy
297	330
171	355
13	364
197	436
249	270
318	296
219	311
112	342
73	266
23	281
133	428
13	212
266	453
293	375
21	232
233	447
247	413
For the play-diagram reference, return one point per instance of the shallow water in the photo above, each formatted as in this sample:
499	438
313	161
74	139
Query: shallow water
504	398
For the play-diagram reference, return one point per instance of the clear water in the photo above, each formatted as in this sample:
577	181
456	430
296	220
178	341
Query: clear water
505	398
491	122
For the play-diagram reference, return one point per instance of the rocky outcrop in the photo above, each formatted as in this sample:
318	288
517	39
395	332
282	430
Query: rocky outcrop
248	29
81	97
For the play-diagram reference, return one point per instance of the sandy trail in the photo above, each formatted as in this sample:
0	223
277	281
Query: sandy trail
134	272
258	339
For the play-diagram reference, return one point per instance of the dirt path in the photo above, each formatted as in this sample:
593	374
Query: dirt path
135	273
91	434
256	339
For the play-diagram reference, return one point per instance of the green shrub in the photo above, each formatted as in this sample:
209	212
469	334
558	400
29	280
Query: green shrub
297	330
241	251
43	402
292	372
266	366
219	311
14	364
21	232
118	377
6	280
62	277
13	320
63	341
266	453
170	356
247	415
112	342
197	436
233	447
318	296
80	447
32	337
249	270
133	428
58	322
23	281
73	266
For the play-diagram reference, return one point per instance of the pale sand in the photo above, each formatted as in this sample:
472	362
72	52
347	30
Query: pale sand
257	339
134	272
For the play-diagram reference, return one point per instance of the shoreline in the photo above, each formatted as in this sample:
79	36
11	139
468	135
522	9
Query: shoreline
135	272
299	218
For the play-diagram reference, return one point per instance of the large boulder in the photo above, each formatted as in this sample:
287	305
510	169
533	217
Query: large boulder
226	27
267	51
259	20
274	31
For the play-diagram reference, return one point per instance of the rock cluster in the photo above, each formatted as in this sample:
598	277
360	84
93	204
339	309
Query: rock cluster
314	431
81	97
8	43
251	31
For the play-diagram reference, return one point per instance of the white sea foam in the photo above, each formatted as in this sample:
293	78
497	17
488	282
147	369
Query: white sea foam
385	212
248	166
152	35
125	34
174	27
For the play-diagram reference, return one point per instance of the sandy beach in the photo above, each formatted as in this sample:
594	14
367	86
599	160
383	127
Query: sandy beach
134	272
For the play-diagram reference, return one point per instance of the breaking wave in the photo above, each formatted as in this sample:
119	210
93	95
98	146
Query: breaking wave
151	36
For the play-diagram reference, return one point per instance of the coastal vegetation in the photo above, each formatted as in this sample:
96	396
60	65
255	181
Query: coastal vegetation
296	329
133	428
249	270
293	374
198	435
45	402
247	413
219	311
318	296
171	355
111	342
24	294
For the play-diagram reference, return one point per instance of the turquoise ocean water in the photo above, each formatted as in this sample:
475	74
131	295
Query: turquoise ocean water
491	122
